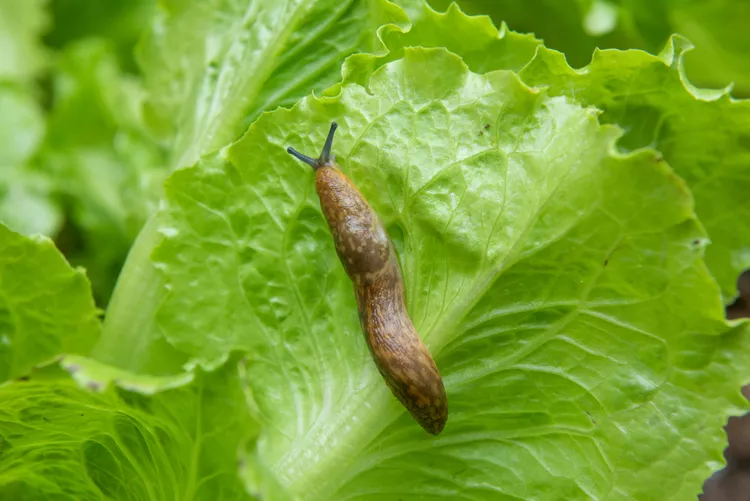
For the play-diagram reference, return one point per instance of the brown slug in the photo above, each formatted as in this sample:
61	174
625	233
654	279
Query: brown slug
369	259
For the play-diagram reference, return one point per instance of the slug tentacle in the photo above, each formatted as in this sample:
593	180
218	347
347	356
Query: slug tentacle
325	157
369	259
309	161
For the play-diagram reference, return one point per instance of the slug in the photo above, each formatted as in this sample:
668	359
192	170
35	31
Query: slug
368	256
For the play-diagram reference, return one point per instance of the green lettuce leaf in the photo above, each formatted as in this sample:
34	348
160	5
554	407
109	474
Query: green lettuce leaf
131	340
46	307
558	283
100	159
25	193
94	375
702	135
122	23
59	441
482	46
22	127
211	69
561	24
578	27
26	201
21	52
718	30
86	178
648	96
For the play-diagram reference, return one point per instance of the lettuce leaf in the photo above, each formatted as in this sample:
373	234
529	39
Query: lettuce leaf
578	27
481	45
701	135
21	53
26	200
60	441
545	224
25	193
46	307
211	69
75	161
717	28
648	96
82	437
122	23
561	24
100	159
559	284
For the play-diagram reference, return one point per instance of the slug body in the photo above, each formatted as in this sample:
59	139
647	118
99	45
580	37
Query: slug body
368	256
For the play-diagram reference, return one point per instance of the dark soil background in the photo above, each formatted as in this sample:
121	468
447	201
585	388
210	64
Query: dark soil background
733	482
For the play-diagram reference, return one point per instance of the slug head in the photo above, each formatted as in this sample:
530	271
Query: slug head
325	158
360	239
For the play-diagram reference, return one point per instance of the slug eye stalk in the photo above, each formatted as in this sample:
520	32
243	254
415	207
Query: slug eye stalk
325	157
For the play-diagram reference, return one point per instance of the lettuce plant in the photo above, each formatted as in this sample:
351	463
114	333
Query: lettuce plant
565	239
